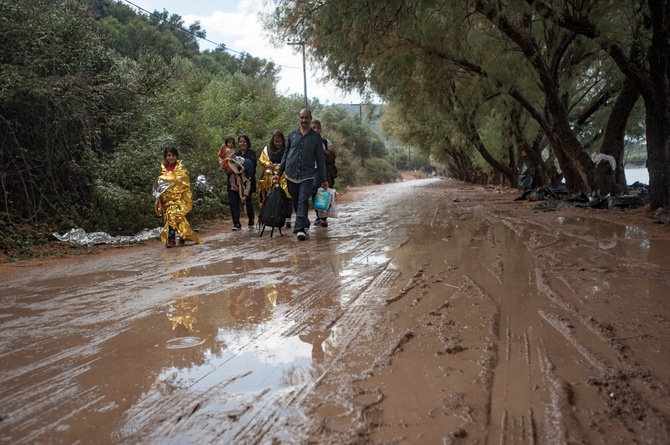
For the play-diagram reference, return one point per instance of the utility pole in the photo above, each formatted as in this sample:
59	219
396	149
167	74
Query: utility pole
360	110
304	67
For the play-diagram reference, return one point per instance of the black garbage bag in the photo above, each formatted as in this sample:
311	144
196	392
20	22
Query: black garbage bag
547	192
594	202
627	201
526	179
580	197
550	206
544	192
637	185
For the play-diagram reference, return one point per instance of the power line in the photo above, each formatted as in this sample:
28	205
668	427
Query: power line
338	98
219	45
188	31
245	8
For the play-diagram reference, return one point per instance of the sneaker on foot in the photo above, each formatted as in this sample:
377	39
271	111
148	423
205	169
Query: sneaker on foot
302	236
324	223
317	222
170	243
182	240
237	227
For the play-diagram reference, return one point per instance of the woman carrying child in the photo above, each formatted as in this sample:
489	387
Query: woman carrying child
238	184
173	198
250	160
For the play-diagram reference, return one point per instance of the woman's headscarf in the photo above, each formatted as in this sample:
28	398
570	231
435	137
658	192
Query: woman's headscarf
275	154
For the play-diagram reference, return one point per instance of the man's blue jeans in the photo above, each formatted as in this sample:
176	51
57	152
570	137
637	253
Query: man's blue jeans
300	193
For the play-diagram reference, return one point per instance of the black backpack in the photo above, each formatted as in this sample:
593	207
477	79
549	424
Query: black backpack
273	212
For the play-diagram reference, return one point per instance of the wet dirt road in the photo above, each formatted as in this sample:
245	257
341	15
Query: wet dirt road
413	318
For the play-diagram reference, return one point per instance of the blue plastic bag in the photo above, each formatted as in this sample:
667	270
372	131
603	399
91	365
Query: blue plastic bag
322	199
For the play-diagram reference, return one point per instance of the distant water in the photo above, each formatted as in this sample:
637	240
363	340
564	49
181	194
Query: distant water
637	174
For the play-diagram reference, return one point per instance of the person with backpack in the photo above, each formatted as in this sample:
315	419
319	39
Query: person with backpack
303	160
270	159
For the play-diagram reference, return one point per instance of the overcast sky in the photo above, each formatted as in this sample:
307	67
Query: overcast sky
235	23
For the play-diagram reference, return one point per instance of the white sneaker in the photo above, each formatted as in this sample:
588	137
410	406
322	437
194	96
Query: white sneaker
302	236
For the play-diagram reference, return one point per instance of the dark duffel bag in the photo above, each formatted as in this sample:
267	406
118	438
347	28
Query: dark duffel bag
273	212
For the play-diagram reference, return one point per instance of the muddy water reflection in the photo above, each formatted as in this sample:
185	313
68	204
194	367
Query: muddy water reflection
239	317
617	239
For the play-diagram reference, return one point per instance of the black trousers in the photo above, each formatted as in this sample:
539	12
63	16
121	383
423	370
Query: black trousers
235	205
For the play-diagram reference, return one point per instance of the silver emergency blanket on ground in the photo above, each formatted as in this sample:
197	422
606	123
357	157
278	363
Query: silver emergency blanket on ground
80	237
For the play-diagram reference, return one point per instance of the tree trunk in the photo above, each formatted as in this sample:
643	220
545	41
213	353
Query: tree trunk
460	165
606	180
469	127
658	156
576	164
657	106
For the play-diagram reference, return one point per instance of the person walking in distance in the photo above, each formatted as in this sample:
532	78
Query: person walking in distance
303	160
331	170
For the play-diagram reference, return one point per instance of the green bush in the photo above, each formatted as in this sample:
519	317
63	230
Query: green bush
379	171
120	211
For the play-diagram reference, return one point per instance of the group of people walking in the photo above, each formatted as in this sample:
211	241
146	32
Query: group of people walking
299	164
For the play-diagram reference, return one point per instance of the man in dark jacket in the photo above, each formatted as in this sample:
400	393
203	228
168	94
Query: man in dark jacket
304	151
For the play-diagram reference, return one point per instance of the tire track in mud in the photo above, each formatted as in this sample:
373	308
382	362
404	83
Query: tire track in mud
579	408
525	377
452	343
621	385
333	393
370	413
401	341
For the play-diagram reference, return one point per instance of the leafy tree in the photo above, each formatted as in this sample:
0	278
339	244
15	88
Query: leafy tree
59	101
218	60
160	33
358	137
640	47
464	61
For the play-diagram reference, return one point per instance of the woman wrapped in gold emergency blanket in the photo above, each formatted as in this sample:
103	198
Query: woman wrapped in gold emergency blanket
173	199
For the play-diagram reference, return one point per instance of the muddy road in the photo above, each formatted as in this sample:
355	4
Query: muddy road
430	312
